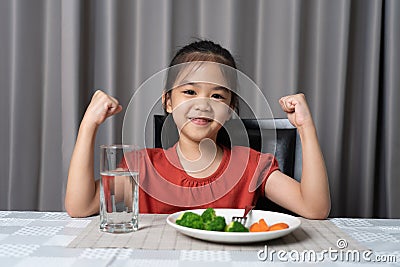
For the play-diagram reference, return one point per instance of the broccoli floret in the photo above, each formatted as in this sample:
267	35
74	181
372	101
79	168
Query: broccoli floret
191	220
236	227
208	215
217	224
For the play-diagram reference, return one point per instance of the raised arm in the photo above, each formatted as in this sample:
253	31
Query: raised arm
82	195
310	198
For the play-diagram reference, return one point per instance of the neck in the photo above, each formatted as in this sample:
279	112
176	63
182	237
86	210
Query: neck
197	156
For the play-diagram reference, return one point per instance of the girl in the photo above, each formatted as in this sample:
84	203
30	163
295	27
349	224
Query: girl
199	110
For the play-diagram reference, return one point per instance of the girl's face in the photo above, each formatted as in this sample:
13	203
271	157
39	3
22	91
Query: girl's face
199	109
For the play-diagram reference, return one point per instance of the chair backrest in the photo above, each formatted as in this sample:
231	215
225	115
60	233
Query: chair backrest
287	150
287	145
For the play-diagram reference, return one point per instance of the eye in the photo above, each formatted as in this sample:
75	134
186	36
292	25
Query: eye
218	96
189	92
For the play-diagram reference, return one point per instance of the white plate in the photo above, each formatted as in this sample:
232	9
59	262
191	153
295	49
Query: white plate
229	237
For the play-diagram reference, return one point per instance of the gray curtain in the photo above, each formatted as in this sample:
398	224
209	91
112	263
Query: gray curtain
344	55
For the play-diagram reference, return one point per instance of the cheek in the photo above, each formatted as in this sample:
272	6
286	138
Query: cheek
181	107
179	120
179	113
222	112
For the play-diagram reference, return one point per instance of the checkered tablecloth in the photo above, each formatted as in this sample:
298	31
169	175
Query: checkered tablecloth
157	235
43	239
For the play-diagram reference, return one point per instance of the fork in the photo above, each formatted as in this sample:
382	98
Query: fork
243	219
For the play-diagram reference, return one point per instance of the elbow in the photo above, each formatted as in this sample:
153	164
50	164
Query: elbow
320	213
309	208
317	215
74	212
317	209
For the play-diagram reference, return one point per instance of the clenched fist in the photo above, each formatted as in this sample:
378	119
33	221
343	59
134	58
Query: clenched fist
100	108
297	110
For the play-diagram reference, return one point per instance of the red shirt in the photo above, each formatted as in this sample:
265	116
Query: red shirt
166	188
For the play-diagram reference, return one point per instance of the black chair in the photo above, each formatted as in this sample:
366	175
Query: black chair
287	146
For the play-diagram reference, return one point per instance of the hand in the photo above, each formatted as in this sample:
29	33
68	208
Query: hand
297	110
100	108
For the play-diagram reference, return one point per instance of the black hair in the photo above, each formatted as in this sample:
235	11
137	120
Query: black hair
203	50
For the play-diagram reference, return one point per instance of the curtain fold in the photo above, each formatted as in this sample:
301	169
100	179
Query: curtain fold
389	142
29	92
74	74
50	156
25	103
361	99
5	85
342	54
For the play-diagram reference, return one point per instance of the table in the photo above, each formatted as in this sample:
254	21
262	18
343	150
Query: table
42	239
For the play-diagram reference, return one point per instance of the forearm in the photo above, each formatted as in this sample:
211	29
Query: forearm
314	184
81	190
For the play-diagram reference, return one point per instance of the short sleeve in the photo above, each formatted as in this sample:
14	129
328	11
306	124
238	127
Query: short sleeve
267	172
270	165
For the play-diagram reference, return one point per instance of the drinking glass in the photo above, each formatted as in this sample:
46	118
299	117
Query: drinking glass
119	189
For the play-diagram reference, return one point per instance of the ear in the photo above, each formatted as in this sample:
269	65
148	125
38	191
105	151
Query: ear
166	101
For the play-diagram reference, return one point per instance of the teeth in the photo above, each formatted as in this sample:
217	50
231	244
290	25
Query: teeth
206	119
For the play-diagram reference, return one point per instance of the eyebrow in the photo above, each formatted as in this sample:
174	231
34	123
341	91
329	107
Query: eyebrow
217	87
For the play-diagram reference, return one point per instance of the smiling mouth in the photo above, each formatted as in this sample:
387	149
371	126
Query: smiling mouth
200	120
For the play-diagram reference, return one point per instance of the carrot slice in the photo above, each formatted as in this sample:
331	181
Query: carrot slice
278	226
260	226
255	227
263	225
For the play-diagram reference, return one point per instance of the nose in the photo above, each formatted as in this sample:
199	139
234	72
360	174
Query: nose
202	104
